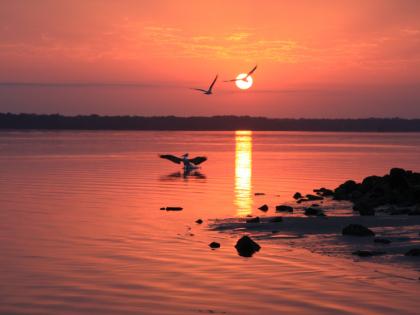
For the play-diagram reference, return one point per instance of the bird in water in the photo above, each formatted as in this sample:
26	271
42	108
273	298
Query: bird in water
189	164
209	91
244	78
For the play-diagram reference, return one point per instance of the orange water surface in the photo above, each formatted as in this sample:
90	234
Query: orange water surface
81	230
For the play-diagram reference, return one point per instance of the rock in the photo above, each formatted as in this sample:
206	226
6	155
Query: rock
214	245
343	191
302	200
314	197
398	179
163	208
246	247
368	253
382	240
263	208
259	194
253	220
314	211
325	192
314	205
276	219
364	208
357	230
369	183
415	252
297	195
367	211
173	209
284	208
199	221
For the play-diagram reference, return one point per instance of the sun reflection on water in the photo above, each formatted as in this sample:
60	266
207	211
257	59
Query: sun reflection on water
243	172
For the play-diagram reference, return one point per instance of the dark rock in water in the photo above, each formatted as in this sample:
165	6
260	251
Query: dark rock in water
314	197
199	221
302	200
276	219
253	220
369	183
398	179
368	253
314	205
382	240
263	208
284	208
357	230
214	245
259	194
324	192
163	208
367	211
364	208
246	247
343	191
174	209
356	195
314	211
413	252
297	195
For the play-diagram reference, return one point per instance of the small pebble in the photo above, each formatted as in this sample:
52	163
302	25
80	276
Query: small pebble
214	245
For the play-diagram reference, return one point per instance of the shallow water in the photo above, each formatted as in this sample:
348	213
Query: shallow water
81	231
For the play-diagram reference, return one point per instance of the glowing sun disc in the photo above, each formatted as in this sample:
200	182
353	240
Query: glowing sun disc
243	84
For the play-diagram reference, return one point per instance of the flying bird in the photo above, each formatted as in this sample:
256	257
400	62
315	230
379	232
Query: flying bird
189	164
244	78
209	91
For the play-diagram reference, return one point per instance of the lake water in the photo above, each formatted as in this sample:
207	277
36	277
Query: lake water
81	231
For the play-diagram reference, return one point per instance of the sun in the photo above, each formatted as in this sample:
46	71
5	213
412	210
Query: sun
244	84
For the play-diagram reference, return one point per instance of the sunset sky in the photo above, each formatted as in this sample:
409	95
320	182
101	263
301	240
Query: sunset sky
315	58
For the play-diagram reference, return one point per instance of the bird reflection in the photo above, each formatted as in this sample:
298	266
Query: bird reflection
243	172
184	175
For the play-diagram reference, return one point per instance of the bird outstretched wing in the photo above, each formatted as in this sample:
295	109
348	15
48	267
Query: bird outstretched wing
201	90
171	158
198	160
252	71
214	81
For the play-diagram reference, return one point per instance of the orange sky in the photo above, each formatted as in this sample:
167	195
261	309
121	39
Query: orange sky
316	58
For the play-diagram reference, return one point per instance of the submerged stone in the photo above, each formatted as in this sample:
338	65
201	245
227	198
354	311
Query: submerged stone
314	211
214	245
284	208
173	208
357	230
313	197
199	221
297	195
263	208
253	220
246	247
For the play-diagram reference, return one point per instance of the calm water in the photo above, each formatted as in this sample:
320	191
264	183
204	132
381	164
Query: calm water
81	231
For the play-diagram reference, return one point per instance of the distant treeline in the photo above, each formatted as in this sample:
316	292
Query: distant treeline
96	122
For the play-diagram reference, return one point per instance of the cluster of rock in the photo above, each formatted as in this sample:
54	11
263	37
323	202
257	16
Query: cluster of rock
360	230
400	190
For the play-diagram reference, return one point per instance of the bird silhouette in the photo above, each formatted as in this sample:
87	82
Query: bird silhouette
210	89
244	78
